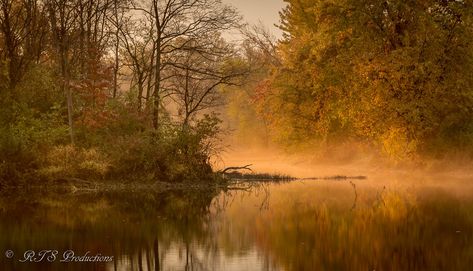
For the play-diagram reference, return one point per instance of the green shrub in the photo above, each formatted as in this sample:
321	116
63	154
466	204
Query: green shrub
68	161
174	154
25	141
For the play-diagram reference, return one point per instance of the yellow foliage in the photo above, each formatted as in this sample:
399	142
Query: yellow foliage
394	74
67	160
397	145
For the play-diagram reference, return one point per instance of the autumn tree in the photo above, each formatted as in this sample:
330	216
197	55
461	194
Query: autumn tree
181	19
138	47
23	33
80	39
198	72
396	73
63	18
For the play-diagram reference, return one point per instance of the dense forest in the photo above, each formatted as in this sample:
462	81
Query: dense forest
390	76
132	89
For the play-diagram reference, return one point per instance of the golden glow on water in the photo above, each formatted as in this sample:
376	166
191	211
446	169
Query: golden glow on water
320	226
388	223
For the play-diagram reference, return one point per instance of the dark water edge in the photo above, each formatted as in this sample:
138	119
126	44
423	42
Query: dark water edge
294	225
110	220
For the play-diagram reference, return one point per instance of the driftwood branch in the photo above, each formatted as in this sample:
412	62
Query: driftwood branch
247	167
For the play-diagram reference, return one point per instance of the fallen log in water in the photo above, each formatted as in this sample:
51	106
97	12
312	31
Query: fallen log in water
337	178
235	175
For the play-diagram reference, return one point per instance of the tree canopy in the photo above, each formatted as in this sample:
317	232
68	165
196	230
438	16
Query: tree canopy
396	74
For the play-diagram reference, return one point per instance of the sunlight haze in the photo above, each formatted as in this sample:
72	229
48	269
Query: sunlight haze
266	11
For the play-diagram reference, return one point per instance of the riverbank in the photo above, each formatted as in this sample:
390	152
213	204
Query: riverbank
75	185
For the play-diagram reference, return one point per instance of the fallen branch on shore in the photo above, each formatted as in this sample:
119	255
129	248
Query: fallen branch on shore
247	167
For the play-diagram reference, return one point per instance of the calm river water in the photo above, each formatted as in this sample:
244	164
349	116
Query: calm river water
375	224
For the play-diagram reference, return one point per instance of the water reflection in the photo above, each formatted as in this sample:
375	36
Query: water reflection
322	225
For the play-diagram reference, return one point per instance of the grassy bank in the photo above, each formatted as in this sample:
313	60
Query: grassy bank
34	150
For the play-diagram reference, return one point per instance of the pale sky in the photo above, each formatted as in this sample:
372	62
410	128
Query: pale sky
266	11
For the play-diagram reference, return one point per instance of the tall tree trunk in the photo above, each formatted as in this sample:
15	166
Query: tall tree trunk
117	44
157	84
157	75
67	90
150	75
141	82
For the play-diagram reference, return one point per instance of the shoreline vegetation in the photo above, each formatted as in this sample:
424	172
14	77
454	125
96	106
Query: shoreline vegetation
223	181
148	91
